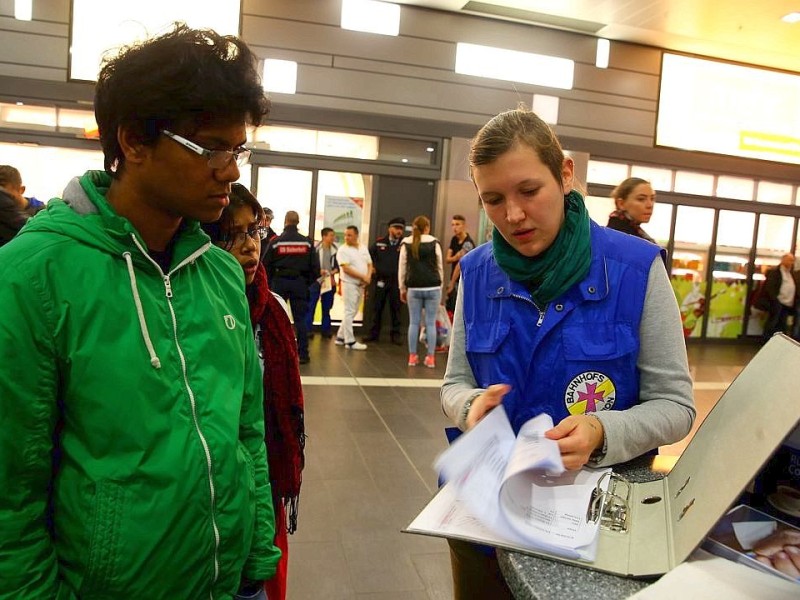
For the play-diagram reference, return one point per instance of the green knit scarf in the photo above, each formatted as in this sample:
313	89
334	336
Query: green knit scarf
564	263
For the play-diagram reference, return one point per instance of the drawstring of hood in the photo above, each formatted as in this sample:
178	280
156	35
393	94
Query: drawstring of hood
154	360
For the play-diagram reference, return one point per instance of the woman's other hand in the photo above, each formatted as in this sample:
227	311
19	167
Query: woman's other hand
577	436
485	402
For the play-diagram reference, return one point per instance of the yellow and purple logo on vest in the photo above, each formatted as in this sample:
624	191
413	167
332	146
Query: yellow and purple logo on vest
589	392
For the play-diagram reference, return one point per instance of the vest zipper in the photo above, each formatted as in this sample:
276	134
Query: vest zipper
541	311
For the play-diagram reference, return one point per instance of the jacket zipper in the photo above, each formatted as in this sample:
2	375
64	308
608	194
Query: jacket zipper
192	401
203	441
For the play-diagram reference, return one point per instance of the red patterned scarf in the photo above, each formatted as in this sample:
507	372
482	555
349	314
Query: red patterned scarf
283	396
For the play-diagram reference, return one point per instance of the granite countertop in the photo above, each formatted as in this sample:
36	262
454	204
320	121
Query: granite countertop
534	578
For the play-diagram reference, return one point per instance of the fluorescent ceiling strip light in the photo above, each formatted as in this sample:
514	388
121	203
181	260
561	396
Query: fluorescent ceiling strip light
603	48
23	10
371	16
792	17
512	65
280	76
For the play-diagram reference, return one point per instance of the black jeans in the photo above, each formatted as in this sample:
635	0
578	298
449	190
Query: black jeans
295	291
386	290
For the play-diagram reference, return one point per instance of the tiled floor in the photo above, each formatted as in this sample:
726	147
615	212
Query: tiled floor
374	428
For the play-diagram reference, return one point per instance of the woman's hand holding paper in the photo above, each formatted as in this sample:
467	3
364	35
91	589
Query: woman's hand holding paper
485	402
578	436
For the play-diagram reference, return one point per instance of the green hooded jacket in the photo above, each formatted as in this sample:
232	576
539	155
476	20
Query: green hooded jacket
132	460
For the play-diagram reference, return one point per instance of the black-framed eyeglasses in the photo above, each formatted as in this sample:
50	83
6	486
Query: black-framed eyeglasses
238	238
217	159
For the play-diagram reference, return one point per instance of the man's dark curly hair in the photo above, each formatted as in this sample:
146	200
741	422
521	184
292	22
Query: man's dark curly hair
180	81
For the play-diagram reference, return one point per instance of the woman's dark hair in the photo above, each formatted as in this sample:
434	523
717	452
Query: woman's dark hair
240	196
624	189
181	81
505	130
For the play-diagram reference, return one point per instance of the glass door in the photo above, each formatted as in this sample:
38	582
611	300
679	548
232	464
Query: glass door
774	240
729	274
282	189
342	199
693	228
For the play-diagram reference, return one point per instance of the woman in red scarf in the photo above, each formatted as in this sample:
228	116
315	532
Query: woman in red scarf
239	232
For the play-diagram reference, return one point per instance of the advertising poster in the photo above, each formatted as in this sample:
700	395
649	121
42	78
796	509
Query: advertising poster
341	212
725	314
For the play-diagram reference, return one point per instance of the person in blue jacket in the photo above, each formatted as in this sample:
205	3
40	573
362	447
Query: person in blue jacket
559	315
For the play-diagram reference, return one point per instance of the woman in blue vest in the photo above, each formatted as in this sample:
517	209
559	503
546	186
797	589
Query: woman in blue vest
561	316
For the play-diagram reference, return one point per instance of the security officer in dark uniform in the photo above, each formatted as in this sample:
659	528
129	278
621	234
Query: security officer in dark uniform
292	265
385	254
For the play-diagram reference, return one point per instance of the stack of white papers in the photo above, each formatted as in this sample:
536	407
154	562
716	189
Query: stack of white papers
513	492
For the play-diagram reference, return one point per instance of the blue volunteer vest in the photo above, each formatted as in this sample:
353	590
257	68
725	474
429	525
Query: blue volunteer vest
577	354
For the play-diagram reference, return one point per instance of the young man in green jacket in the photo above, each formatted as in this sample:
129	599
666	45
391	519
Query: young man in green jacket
132	460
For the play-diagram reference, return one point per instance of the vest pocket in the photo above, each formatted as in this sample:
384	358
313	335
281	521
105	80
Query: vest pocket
598	341
486	336
107	517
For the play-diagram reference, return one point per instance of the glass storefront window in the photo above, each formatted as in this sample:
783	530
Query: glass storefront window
774	235
283	190
607	173
46	170
246	176
660	222
691	182
19	116
777	193
729	274
660	179
80	120
599	208
737	188
407	151
297	140
693	227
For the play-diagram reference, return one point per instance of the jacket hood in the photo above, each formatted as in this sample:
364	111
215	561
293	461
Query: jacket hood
84	214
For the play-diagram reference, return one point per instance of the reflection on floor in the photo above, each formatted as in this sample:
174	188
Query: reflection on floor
374	428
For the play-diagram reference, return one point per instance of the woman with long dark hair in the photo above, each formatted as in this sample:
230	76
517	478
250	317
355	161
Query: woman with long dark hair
420	275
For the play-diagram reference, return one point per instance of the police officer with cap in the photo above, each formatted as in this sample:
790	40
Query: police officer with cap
385	254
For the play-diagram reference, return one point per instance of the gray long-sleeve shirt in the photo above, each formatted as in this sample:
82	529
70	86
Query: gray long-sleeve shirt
666	410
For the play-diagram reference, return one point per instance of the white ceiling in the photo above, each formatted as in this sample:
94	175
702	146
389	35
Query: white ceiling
748	31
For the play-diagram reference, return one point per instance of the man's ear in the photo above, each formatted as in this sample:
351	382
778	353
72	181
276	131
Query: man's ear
130	143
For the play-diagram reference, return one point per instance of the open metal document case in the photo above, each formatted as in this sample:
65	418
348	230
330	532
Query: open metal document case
649	528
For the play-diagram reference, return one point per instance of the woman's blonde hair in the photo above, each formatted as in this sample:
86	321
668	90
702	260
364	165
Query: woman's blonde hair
419	225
